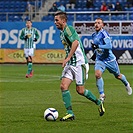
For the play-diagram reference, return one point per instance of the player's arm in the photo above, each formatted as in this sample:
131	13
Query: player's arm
94	46
107	44
22	35
36	36
106	41
72	51
72	37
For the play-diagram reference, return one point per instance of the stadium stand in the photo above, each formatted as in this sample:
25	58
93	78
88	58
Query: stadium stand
15	10
83	13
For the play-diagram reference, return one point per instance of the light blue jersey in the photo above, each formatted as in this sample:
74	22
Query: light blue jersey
105	59
104	52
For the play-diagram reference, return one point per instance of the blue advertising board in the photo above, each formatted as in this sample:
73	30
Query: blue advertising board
49	35
122	37
118	42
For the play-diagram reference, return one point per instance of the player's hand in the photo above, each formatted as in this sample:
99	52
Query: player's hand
26	37
34	39
94	46
65	62
93	57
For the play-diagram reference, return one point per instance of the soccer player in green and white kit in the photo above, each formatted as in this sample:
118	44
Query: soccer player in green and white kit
75	66
30	36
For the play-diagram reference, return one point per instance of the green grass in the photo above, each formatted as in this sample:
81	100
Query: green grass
23	101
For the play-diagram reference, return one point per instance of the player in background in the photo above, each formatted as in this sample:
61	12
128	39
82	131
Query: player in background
105	59
30	36
75	66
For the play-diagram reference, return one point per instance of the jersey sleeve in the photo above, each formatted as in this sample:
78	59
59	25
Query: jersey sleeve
22	35
71	34
36	34
106	40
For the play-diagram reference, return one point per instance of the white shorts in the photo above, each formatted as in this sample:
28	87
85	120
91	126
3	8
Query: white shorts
77	73
28	52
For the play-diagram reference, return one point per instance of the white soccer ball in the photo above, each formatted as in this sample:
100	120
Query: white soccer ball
51	114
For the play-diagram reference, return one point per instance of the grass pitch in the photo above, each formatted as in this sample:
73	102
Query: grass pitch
23	101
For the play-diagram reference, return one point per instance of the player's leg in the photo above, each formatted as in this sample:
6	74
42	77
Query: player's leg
30	64
81	75
67	79
26	51
30	70
122	77
114	68
26	60
99	69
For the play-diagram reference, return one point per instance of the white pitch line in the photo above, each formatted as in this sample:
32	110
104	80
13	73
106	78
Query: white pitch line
28	80
49	78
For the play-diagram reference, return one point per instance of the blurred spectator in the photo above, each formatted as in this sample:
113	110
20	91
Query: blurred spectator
29	7
118	7
29	11
54	8
111	7
104	7
62	8
71	4
89	3
129	3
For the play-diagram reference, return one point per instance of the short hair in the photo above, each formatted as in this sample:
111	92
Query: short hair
100	19
29	20
62	14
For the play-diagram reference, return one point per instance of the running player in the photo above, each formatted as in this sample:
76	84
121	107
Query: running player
75	66
30	36
105	59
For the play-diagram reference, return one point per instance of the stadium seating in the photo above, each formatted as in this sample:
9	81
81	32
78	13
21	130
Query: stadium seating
81	7
16	6
13	6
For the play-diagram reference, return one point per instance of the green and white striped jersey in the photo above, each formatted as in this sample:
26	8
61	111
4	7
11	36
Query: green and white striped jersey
32	34
68	36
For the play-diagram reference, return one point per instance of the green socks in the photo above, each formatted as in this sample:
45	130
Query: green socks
29	67
67	101
88	94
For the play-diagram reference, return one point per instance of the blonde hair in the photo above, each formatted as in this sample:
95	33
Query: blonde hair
101	20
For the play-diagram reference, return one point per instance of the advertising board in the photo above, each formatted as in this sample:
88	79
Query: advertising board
121	34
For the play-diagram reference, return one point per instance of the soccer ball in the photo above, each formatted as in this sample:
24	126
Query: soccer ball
51	114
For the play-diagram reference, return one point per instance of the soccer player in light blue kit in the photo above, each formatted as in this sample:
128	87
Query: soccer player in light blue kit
105	59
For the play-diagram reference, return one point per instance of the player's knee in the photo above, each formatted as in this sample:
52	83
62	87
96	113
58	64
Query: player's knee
118	76
98	74
63	87
30	59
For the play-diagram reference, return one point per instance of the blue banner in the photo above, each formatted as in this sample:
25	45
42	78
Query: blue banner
49	35
120	42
